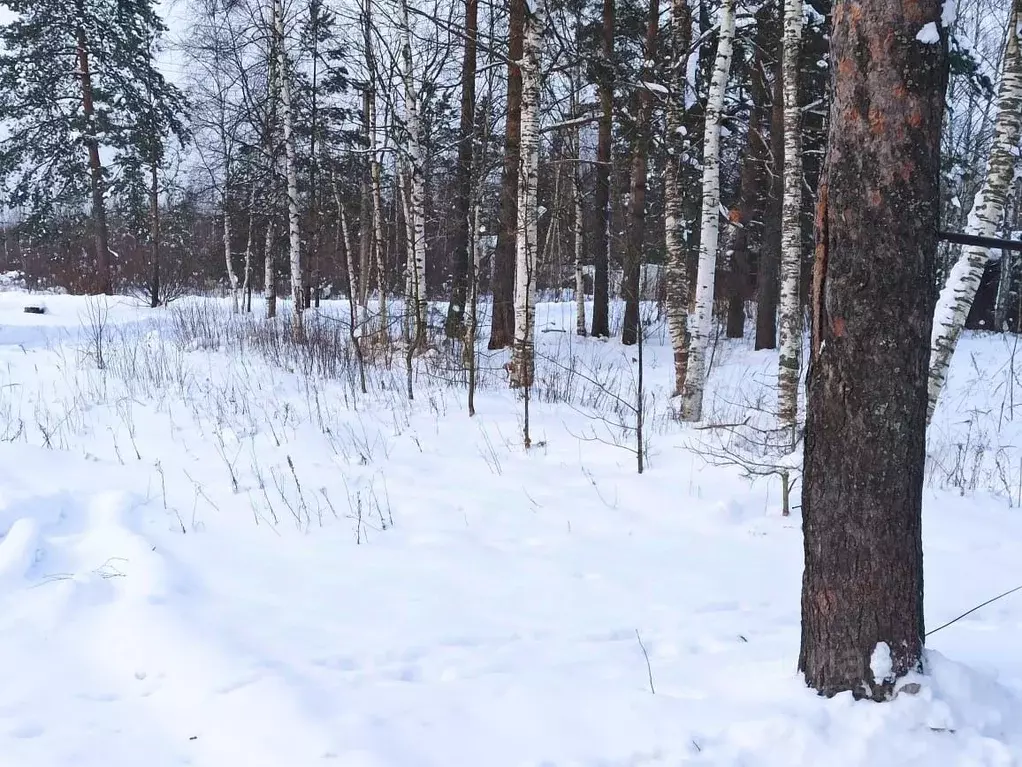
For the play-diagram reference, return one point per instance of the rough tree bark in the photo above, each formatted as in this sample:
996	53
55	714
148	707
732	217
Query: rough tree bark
675	223
872	308
502	282
632	277
601	238
790	350
455	326
522	352
987	211
702	325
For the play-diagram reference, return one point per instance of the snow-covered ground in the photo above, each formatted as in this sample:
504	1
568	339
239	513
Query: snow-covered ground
210	560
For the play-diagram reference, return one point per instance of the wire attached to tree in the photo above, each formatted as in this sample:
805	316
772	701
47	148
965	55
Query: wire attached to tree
974	609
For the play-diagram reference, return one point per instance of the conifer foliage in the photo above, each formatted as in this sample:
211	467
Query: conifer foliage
77	79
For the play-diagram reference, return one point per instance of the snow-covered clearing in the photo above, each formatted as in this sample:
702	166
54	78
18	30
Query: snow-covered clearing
210	560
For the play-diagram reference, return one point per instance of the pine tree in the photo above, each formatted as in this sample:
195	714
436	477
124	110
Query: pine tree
77	78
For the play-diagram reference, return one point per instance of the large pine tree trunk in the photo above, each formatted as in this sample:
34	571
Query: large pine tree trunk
290	171
872	309
601	235
987	210
104	280
454	327
632	277
522	356
790	350
702	324
502	282
675	223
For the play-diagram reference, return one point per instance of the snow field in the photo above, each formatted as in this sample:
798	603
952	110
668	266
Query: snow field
207	560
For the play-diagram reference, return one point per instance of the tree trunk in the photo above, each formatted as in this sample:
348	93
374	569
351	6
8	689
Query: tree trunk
104	281
246	285
579	219
791	224
269	150
631	283
767	279
675	223
291	171
702	325
154	224
987	210
312	288
522	356
417	186
601	238
269	273
232	275
455	326
872	309
366	210
502	282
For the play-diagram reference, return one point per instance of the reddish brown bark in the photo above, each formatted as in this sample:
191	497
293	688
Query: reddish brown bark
873	308
502	321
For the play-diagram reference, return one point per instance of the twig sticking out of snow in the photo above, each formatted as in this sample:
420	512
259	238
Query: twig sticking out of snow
649	669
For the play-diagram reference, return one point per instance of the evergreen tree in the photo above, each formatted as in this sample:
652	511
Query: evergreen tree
77	79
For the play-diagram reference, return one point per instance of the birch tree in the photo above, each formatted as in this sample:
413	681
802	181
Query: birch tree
987	211
416	184
702	321
676	272
522	352
290	167
791	224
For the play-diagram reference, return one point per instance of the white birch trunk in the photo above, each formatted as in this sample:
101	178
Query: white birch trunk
377	192
790	326
232	276
290	167
269	273
676	267
248	245
410	305
987	210
702	321
417	193
522	351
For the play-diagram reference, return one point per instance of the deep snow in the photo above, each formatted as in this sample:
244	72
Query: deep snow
431	594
